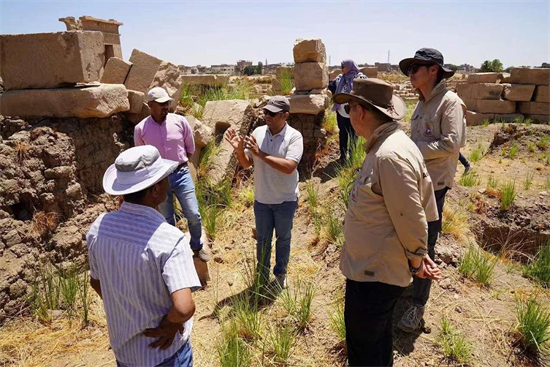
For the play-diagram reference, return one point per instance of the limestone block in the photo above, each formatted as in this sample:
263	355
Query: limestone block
540	119
219	116
333	74
148	71
116	71
483	78
534	108
311	104
518	92
476	118
310	75
135	118
206	80
542	94
471	103
465	90
494	106
51	60
505	78
169	77
90	101
508	117
142	73
370	71
309	50
487	91
202	134
538	76
136	100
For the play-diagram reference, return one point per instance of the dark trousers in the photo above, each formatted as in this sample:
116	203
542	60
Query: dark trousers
463	160
346	135
421	291
368	315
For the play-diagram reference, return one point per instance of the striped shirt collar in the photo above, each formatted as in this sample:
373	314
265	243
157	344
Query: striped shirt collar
143	210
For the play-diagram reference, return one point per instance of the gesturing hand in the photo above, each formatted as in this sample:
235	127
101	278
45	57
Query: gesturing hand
165	332
236	141
251	144
429	270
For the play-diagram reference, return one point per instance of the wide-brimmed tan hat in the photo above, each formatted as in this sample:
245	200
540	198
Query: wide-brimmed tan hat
376	93
136	169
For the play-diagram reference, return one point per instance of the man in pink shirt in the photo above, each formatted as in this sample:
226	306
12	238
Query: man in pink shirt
172	136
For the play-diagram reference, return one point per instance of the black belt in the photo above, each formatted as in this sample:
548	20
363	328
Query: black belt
181	165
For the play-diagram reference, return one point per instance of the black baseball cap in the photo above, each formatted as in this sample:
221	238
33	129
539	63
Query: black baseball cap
426	56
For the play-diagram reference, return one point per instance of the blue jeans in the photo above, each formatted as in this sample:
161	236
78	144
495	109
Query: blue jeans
269	217
182	185
182	358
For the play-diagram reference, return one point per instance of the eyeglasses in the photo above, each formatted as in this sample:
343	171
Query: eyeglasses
272	114
414	68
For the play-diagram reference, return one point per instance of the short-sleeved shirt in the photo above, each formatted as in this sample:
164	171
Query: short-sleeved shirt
272	186
173	138
140	260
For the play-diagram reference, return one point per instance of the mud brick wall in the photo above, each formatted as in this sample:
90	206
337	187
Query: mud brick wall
315	137
50	169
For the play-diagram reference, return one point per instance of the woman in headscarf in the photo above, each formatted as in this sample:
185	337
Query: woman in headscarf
343	84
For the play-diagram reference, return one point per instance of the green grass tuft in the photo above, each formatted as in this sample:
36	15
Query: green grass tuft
533	325
453	343
478	265
508	195
539	268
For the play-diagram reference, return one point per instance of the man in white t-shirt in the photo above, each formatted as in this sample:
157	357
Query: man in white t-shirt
275	149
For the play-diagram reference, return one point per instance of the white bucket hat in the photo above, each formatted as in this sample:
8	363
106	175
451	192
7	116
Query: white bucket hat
136	169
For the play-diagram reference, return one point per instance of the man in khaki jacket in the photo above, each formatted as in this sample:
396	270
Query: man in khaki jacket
385	228
438	128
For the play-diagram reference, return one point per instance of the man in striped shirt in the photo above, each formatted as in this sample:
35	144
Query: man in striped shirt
142	267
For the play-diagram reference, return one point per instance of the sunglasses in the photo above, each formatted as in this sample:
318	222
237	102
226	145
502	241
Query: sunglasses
272	114
414	68
348	107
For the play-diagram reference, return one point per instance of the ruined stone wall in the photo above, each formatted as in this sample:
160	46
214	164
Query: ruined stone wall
51	174
525	93
315	137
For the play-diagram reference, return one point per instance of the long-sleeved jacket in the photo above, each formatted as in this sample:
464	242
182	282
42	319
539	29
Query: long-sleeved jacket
438	127
390	204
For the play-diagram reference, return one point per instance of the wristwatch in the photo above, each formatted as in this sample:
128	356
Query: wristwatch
414	270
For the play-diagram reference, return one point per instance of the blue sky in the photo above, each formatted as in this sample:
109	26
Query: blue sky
215	32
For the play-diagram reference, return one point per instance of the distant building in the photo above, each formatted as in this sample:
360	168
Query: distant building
222	69
201	69
186	70
383	66
241	65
